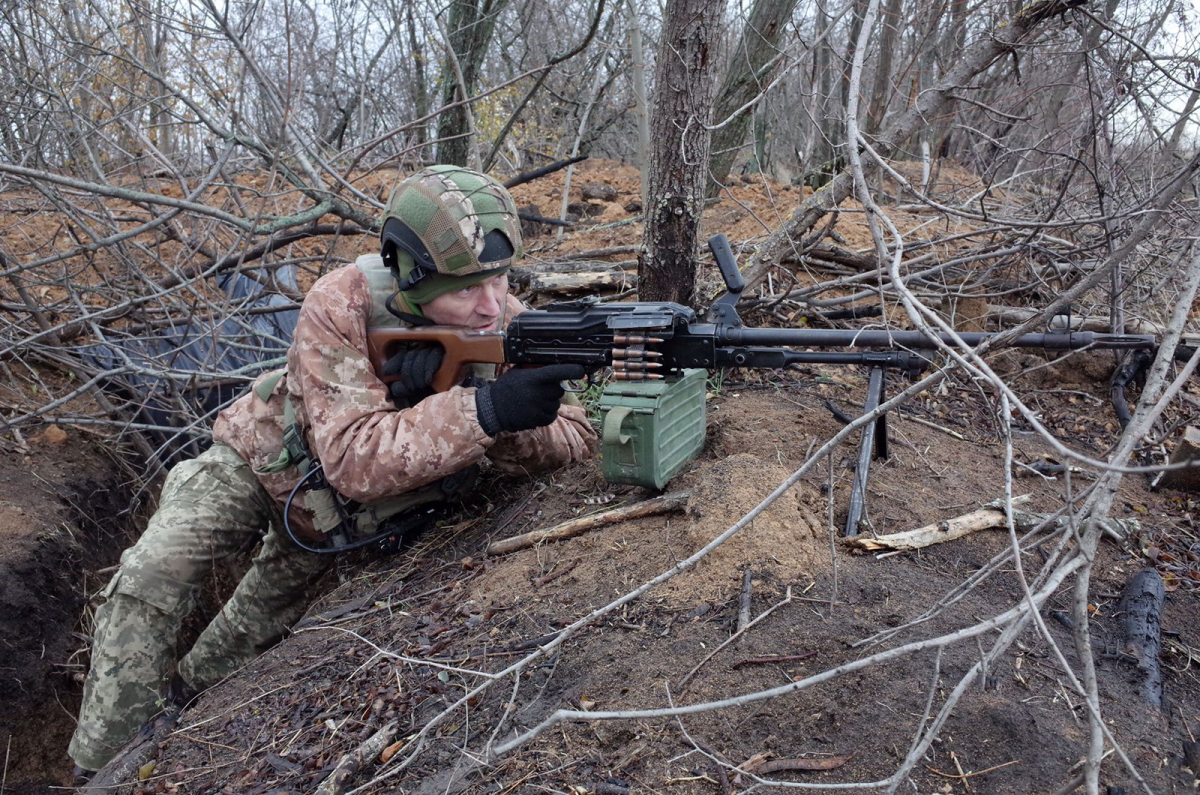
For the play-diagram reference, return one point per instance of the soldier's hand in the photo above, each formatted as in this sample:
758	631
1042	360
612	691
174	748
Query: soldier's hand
524	399
415	365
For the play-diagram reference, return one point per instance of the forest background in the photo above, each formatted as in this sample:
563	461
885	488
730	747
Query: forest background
151	151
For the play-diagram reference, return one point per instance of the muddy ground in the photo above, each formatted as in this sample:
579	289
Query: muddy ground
399	638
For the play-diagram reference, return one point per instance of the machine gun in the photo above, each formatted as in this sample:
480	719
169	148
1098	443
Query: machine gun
643	341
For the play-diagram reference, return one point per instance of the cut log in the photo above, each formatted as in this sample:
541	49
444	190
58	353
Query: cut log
1142	604
582	282
663	504
985	518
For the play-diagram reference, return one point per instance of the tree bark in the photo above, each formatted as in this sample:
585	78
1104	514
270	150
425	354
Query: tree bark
747	75
683	97
882	90
856	23
470	25
641	109
420	93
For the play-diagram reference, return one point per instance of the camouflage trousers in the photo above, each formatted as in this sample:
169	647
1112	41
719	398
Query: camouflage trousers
212	507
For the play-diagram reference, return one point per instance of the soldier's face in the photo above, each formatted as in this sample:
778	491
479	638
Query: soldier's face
478	307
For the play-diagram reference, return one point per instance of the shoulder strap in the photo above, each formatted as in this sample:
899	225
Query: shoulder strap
295	451
382	285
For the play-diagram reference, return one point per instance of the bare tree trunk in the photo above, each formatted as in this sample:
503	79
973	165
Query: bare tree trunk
881	91
815	149
683	95
470	25
420	91
749	72
860	10
641	109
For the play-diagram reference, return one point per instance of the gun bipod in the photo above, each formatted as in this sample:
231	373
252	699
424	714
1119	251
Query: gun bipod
874	437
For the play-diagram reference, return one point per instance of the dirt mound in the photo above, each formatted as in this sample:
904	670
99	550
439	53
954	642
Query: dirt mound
783	542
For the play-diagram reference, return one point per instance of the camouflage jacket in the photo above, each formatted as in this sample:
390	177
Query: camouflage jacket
370	449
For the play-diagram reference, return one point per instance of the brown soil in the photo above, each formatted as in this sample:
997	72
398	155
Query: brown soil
281	724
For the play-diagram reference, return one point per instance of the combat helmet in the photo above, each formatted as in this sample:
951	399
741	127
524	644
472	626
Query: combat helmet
448	221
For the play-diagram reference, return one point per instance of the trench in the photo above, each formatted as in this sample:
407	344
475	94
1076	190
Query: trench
64	519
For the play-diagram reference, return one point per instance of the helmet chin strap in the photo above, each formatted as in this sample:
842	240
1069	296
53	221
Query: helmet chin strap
407	317
414	276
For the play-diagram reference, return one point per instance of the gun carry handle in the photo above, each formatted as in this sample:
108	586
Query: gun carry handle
723	311
718	244
463	348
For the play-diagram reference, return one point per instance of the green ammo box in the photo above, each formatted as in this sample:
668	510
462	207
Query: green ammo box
652	428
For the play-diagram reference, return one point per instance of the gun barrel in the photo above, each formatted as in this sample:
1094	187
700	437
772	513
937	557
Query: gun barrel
915	340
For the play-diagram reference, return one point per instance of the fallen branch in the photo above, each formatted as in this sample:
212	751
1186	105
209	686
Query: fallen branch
352	762
1016	314
1142	605
589	281
664	504
933	425
987	517
595	253
761	766
769	660
537	173
964	776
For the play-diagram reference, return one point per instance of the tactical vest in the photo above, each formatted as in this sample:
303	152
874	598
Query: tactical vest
332	518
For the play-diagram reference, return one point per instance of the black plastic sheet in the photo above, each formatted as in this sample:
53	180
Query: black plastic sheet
181	375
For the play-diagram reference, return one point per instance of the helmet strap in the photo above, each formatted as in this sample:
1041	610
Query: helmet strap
407	317
398	234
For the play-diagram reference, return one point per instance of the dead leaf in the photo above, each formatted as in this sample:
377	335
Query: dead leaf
390	751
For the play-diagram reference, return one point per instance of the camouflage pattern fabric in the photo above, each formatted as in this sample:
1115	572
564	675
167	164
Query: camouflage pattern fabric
212	507
370	450
222	502
451	209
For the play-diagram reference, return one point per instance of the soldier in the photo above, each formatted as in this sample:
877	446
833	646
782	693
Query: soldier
321	455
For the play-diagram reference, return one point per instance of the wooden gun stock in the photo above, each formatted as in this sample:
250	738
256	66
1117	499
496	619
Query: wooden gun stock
463	348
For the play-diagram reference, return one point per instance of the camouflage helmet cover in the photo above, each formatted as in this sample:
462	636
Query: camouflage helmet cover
454	212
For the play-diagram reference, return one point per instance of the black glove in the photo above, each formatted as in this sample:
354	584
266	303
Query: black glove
415	364
523	399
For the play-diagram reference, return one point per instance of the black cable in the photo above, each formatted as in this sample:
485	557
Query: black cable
366	542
